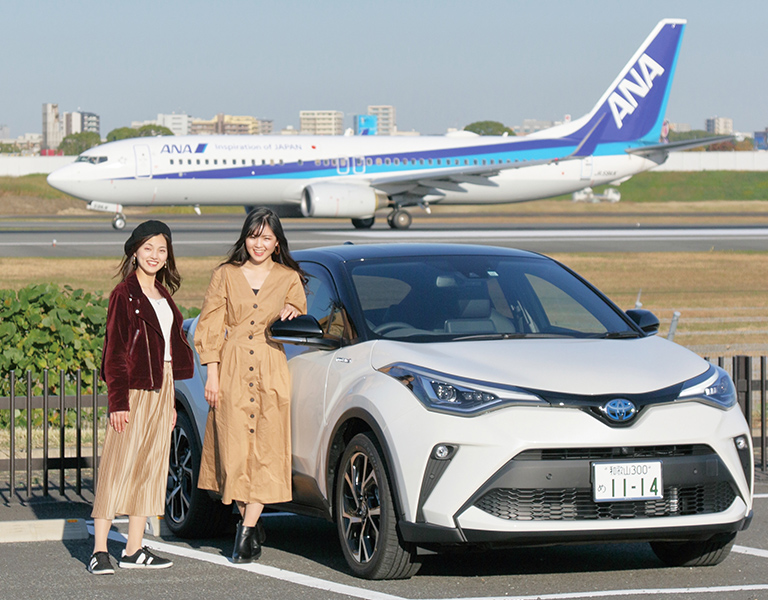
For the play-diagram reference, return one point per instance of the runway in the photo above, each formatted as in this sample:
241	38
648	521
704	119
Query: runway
213	235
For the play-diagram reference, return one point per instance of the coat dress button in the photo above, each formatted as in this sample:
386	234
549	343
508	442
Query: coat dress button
252	322
250	337
250	368
252	431
251	351
250	385
255	306
253	400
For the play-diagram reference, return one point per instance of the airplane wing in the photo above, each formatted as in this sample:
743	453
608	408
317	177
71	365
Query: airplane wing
681	145
450	178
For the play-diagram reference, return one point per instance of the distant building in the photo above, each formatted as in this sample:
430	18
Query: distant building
5	132
366	125
680	127
289	130
761	139
386	118
532	125
321	122
53	128
78	122
223	124
719	126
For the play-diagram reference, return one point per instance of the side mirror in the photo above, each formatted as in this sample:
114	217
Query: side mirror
303	330
645	320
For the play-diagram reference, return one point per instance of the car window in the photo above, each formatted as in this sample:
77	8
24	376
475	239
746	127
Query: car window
321	300
432	298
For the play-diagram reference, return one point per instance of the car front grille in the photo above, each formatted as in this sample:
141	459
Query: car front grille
573	504
631	452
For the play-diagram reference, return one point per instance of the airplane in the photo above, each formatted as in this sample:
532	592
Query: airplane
354	176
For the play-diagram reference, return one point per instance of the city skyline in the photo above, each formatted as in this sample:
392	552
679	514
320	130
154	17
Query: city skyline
443	65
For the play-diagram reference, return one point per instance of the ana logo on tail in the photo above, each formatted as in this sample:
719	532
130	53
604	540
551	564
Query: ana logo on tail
623	99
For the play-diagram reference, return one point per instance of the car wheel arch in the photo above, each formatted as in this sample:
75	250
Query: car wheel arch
352	422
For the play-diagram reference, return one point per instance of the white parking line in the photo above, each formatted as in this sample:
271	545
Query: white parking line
364	594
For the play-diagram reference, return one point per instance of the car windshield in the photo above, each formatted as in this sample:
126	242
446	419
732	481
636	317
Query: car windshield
425	299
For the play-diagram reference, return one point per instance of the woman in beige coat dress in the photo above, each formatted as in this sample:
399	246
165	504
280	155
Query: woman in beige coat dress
247	448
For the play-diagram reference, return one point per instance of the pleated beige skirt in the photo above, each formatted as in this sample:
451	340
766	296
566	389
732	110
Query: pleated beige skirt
133	472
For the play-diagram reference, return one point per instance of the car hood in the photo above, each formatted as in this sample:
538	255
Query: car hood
574	366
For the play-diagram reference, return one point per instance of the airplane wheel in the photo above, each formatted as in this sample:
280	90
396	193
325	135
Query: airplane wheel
363	223
118	222
400	219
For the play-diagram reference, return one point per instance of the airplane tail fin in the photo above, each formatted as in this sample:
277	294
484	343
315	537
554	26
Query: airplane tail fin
632	109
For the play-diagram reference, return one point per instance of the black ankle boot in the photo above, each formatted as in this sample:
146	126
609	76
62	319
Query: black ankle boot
244	544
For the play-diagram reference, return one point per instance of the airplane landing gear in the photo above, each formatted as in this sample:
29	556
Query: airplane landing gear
399	219
118	221
363	223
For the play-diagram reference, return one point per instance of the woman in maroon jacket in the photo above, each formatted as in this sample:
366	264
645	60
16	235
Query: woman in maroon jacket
144	351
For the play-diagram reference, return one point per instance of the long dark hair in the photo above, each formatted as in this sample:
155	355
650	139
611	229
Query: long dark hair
254	225
168	275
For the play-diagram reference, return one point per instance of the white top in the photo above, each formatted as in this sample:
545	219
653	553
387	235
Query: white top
165	316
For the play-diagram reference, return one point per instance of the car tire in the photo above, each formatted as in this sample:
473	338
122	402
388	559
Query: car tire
365	515
191	512
699	553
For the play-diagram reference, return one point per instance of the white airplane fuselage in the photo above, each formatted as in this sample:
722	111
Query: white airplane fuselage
353	176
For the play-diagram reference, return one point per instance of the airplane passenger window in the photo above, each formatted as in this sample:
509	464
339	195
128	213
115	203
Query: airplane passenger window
215	161
466	162
224	161
429	161
206	161
397	161
171	161
300	162
387	161
439	161
368	162
421	161
405	161
281	161
317	162
378	161
475	161
198	161
483	161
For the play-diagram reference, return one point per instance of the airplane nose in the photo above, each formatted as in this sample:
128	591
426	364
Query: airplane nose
62	179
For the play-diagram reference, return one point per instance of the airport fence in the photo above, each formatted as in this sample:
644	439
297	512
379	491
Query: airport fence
55	435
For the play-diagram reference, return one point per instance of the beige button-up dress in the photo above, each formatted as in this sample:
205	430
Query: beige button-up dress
247	448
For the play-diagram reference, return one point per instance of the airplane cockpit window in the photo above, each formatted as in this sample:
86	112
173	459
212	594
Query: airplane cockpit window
94	160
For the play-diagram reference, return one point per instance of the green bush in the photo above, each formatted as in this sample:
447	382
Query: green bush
43	327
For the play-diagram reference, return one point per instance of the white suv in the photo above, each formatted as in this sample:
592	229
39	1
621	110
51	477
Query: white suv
452	395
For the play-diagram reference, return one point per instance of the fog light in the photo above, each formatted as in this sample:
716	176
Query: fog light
442	452
741	442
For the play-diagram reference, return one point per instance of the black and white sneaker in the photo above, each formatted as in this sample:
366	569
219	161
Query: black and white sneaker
100	564
143	559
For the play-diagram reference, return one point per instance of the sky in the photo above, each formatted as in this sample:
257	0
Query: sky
442	64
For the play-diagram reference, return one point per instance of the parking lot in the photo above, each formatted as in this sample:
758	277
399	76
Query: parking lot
302	558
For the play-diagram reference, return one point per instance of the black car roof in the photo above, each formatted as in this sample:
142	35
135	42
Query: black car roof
349	252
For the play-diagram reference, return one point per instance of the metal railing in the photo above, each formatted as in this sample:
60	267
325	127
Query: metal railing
748	373
69	457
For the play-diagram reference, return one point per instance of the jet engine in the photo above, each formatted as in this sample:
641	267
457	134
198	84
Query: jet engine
341	200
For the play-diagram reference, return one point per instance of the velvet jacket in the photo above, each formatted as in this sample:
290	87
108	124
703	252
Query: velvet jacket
134	346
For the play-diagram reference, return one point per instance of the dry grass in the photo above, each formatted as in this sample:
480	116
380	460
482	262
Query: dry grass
722	296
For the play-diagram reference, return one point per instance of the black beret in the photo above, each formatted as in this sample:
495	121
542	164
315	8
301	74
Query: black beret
146	230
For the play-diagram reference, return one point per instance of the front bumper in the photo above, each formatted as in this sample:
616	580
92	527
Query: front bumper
544	496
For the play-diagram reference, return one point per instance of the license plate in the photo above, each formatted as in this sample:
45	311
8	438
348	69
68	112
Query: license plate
613	482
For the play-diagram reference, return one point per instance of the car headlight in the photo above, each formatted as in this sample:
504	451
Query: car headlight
714	387
455	395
